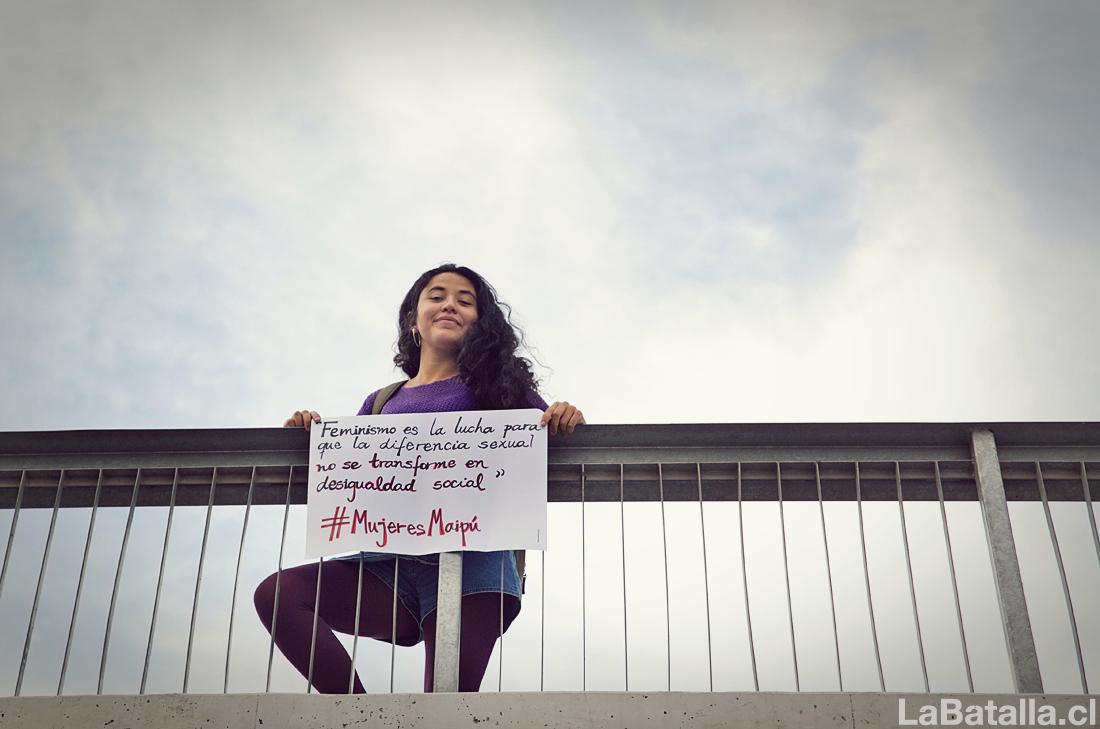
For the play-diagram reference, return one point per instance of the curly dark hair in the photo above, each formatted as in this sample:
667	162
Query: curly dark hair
487	361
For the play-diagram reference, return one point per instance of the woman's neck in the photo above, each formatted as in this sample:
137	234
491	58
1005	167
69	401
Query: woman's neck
434	366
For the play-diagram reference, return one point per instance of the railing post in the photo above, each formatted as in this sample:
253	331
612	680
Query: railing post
1006	568
448	622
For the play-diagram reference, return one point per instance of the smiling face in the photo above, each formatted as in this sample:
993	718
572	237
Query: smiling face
445	311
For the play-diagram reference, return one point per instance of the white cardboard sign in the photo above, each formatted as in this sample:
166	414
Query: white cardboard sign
427	482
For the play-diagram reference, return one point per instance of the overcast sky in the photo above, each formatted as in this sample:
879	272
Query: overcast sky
791	213
699	212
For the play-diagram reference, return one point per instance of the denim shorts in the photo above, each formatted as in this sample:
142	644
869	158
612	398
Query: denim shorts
418	579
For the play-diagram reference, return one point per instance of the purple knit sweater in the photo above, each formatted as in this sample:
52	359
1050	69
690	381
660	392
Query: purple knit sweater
443	396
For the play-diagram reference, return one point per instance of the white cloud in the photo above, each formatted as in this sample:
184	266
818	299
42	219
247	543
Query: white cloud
785	215
708	212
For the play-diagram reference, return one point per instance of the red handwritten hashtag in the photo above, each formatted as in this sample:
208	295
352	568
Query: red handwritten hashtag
336	522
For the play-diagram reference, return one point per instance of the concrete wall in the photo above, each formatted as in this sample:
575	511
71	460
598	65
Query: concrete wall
536	710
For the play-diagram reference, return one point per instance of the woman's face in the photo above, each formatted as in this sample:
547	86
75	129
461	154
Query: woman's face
445	311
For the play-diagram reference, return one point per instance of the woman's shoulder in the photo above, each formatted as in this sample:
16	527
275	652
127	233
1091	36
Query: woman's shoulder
534	399
391	390
368	404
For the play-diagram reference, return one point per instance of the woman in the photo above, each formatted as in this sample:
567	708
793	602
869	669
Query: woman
459	349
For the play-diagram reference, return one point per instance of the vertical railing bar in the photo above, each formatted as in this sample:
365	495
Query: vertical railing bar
1088	506
867	580
829	575
198	580
745	578
393	621
954	581
1062	575
236	579
11	530
41	578
80	582
584	629
316	616
500	663
622	539
706	577
909	572
448	625
355	633
278	580
1011	600
787	574
664	546
118	578
542	624
160	579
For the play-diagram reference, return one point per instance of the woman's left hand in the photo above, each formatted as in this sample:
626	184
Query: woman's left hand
562	417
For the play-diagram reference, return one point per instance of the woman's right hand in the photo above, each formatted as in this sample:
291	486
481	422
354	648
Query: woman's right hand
302	419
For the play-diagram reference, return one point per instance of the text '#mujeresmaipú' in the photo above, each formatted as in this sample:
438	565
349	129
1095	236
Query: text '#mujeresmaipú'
487	466
360	519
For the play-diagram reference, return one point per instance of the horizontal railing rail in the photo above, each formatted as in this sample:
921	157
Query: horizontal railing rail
1062	481
989	463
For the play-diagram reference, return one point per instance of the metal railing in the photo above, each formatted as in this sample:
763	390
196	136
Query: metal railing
990	464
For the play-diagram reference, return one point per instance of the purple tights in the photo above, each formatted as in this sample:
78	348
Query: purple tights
331	663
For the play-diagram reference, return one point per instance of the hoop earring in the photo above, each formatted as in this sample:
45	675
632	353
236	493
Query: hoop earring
416	338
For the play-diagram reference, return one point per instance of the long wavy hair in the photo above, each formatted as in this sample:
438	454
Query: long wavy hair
488	362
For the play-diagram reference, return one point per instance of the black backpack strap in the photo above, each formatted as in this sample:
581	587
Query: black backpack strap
384	395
